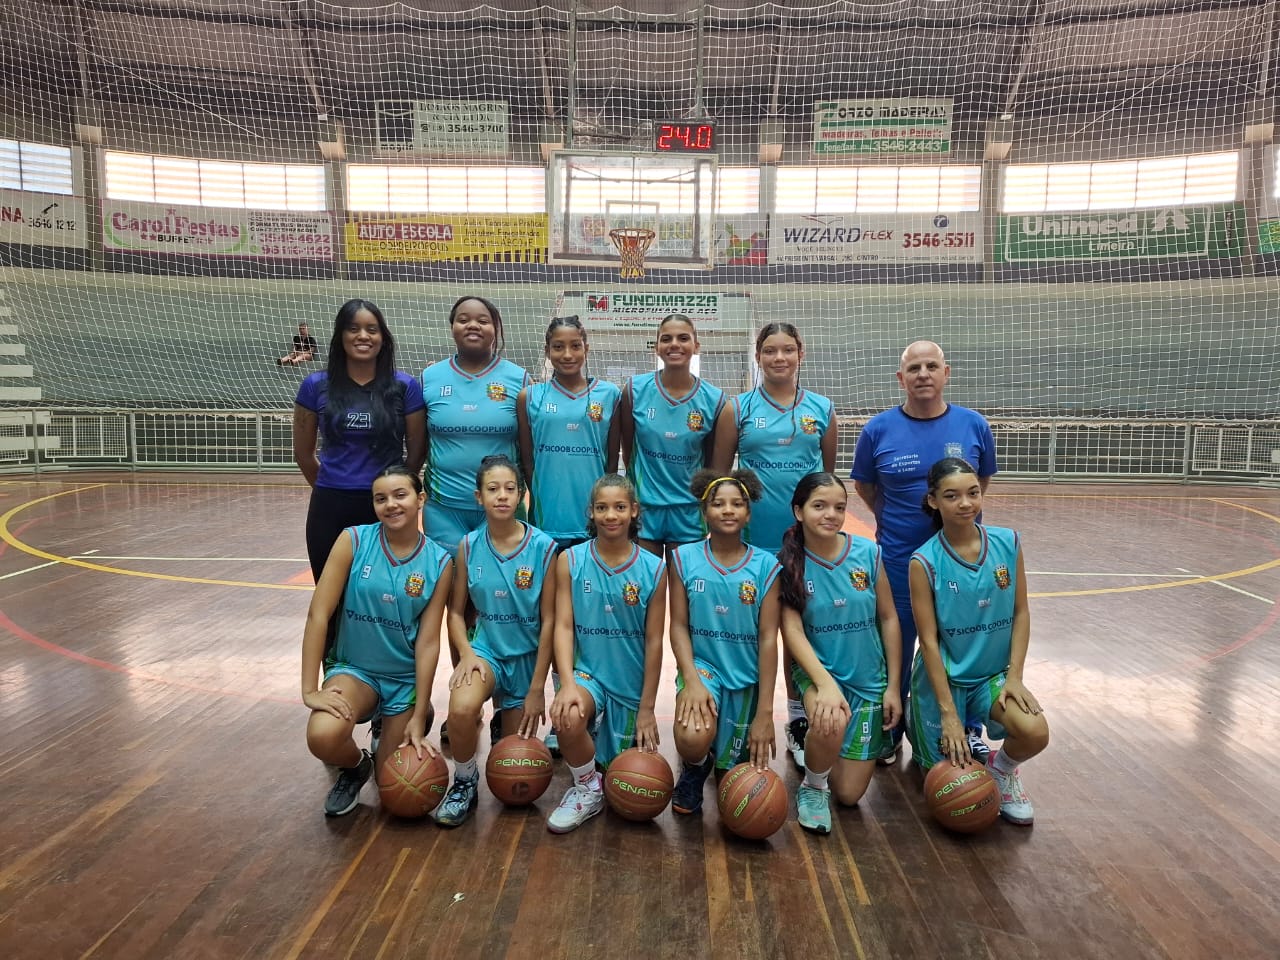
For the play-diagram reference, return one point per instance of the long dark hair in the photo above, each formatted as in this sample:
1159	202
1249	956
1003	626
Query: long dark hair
791	585
613	480
946	467
386	396
499	337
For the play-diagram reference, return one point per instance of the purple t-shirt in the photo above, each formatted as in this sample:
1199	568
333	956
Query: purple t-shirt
350	461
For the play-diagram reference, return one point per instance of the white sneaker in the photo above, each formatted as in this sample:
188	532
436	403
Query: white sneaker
1015	805
579	805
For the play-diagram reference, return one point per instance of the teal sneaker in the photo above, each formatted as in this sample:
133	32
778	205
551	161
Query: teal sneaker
458	803
813	808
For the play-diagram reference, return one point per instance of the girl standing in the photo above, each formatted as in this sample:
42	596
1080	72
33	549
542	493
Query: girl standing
667	425
471	413
969	599
610	614
366	411
567	422
841	628
724	634
391	582
503	571
782	433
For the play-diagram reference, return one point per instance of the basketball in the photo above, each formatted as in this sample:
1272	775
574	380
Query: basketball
518	771
638	784
962	799
410	787
753	803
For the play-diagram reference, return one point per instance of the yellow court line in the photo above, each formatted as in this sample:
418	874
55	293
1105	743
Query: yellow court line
13	541
1192	581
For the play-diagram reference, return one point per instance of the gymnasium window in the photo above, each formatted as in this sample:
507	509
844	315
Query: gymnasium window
1121	184
213	183
738	190
401	188
38	167
878	189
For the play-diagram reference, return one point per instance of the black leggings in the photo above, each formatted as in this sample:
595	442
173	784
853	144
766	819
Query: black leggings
330	512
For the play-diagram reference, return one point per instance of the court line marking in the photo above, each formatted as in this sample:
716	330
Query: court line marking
13	541
9	538
105	556
1232	587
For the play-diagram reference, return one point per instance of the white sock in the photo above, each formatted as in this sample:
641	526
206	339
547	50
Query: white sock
795	710
1004	763
816	780
465	769
585	775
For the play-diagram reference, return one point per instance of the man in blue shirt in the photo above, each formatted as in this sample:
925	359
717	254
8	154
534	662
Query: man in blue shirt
890	474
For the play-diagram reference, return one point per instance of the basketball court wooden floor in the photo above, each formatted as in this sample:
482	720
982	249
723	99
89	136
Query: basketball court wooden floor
158	800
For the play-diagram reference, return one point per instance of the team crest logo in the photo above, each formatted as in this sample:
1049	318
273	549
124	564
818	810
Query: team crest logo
1002	577
413	585
747	592
595	412
496	391
524	578
809	424
631	593
952	450
694	420
860	579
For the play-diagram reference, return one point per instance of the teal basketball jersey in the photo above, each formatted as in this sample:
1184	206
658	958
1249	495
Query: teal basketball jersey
670	440
385	596
781	444
840	616
570	439
973	603
506	590
469	416
724	608
610	605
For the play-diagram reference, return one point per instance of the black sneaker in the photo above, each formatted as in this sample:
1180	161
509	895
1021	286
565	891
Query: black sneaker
345	795
687	795
375	734
796	731
495	727
978	748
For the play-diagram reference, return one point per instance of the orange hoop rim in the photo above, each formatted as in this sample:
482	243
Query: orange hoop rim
633	234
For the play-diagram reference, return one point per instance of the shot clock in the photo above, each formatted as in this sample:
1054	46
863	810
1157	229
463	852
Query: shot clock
684	136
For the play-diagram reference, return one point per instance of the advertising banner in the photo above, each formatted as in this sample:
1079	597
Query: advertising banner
872	127
136	227
41	219
618	310
498	237
876	238
1157	233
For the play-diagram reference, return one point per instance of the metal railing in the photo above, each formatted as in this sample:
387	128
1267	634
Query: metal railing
38	439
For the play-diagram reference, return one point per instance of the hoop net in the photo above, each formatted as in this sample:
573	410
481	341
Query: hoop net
632	244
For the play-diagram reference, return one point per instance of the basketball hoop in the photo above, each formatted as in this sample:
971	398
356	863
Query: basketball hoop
632	243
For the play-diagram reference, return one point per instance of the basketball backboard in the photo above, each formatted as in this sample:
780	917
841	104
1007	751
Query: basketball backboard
590	193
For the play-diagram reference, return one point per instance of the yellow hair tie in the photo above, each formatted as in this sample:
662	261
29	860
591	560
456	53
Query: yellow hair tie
719	480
